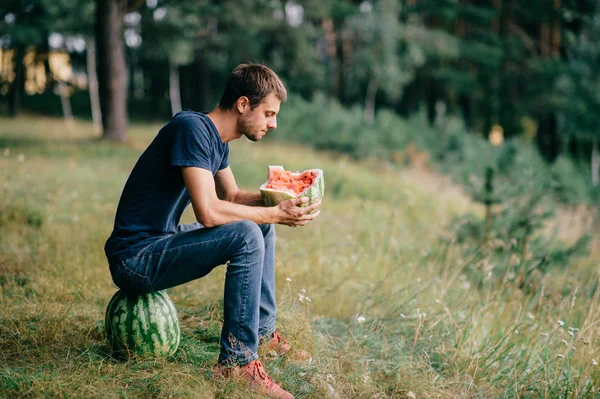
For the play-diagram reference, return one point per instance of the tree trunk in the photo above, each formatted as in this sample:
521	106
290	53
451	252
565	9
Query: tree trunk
547	137
556	31
174	93
16	87
112	71
466	105
345	63
595	163
93	86
430	99
330	37
370	101
65	102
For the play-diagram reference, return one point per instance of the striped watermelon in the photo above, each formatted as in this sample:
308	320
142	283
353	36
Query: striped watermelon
145	325
282	185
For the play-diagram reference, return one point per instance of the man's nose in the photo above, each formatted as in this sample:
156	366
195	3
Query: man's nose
272	124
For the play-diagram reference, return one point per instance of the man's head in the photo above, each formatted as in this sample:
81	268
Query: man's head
254	92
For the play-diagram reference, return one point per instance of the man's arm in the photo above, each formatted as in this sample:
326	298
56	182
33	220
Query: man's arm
212	211
228	190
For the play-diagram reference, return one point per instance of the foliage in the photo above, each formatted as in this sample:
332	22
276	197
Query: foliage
326	125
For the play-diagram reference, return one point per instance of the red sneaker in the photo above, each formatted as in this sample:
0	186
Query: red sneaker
257	377
278	344
281	346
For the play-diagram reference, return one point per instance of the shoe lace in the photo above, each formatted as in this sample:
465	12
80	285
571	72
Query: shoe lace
258	370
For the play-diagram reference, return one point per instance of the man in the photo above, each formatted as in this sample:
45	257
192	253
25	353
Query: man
188	162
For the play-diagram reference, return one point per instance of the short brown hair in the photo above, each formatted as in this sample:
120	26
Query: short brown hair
254	81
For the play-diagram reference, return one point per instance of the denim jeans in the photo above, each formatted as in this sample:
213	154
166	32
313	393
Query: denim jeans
194	251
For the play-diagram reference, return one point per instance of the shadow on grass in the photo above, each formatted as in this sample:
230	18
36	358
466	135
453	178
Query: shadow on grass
15	142
59	148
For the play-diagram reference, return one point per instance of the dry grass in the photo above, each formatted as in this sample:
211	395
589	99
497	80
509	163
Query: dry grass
392	313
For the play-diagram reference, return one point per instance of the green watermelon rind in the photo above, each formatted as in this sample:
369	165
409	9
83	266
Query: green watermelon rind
314	192
145	333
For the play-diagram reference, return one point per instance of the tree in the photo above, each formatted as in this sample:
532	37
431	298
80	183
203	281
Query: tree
112	69
23	22
62	20
172	32
378	60
580	86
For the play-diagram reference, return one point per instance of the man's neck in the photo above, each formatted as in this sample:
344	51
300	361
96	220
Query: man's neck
226	123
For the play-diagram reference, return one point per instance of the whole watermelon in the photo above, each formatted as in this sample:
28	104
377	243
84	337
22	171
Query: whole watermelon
145	325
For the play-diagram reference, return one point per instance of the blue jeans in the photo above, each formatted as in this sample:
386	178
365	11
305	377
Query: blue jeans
194	251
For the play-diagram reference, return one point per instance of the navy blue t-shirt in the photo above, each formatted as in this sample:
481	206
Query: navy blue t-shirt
155	195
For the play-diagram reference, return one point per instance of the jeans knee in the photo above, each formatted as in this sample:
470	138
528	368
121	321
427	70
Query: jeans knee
252	235
268	231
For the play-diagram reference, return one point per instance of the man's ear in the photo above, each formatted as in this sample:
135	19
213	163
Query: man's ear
242	104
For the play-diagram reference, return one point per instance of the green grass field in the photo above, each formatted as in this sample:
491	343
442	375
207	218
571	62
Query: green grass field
384	305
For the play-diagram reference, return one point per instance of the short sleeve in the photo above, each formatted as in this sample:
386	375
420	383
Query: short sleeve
191	144
225	161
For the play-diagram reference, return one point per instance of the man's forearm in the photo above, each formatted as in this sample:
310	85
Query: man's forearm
223	212
247	198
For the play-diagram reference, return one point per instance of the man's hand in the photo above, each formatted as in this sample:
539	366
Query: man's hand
290	214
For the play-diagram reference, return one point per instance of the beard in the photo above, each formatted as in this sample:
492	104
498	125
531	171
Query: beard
245	127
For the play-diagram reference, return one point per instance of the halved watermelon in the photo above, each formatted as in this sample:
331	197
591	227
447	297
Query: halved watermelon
283	184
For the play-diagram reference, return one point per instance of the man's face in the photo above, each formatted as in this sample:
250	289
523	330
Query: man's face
255	123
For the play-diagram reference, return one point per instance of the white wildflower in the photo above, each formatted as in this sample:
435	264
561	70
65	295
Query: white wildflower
530	315
331	390
366	379
411	394
594	362
289	280
301	297
465	285
564	341
561	323
307	299
559	356
359	318
403	315
303	291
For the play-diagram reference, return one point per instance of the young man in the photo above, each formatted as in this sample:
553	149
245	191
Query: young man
188	162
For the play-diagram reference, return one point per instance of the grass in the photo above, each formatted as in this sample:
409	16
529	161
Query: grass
392	312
